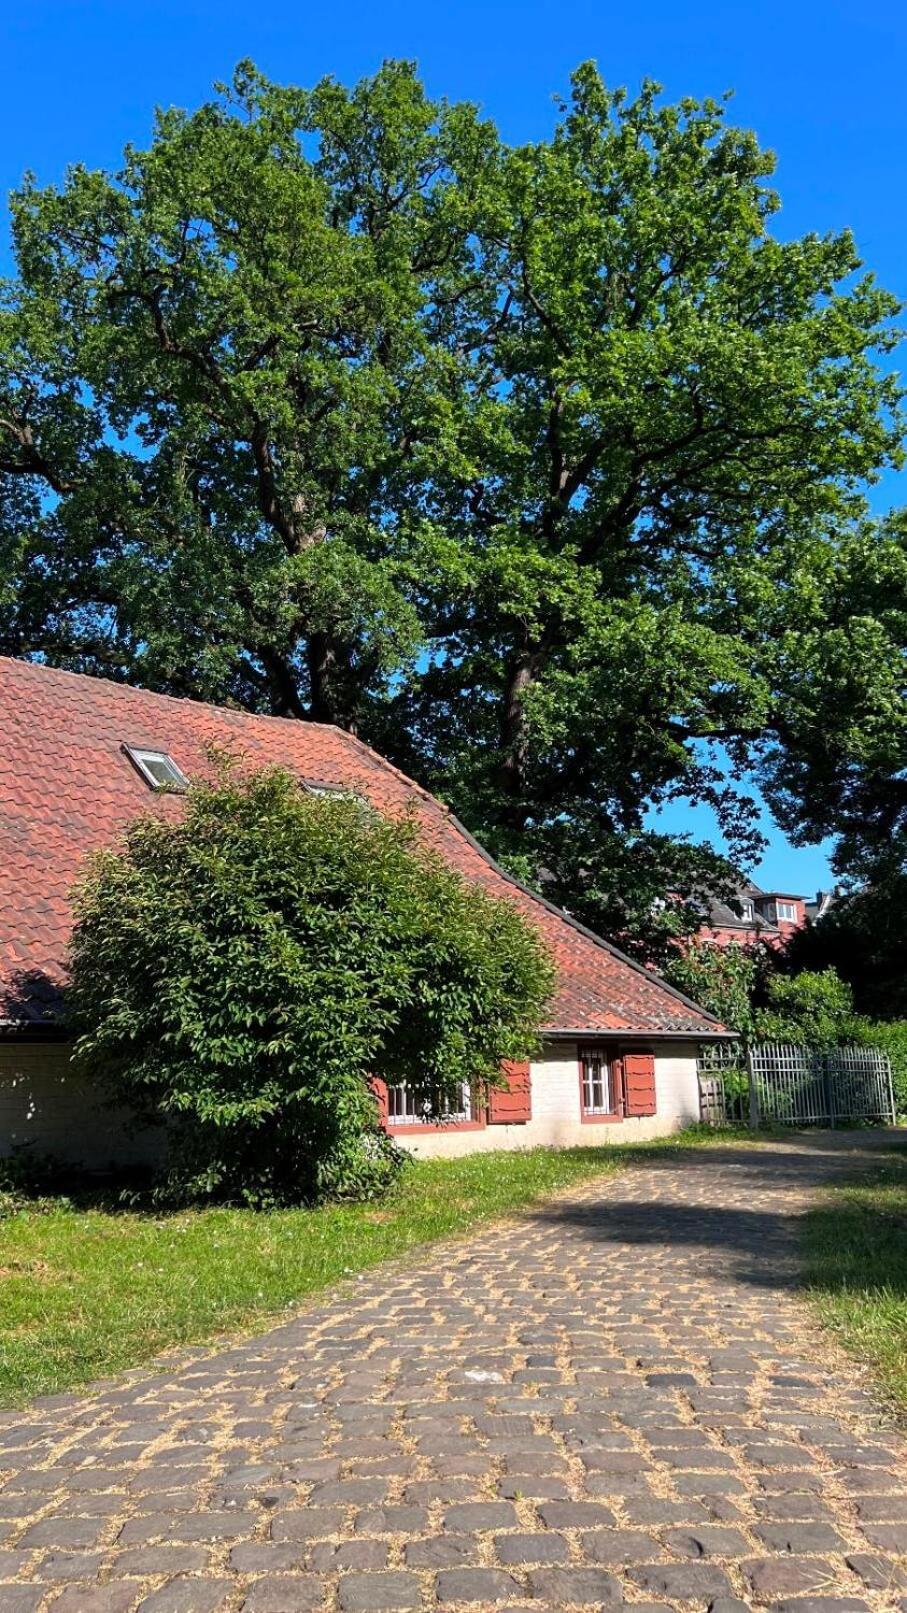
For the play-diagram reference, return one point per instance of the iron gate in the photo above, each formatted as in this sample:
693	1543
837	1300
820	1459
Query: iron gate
800	1086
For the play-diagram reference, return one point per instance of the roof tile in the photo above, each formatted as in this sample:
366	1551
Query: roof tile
66	787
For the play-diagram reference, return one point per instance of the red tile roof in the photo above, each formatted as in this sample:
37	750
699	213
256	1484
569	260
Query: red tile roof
66	786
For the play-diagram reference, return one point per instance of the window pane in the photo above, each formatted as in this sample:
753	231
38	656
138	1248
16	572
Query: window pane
597	1093
406	1108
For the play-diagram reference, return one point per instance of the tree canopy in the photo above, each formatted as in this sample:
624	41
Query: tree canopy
542	466
243	974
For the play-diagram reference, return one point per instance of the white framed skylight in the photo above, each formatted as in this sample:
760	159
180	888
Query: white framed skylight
315	786
157	768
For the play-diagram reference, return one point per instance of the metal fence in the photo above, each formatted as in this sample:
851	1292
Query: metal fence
796	1086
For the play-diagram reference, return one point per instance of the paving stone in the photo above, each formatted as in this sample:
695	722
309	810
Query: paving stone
267	1556
21	1598
63	1532
708	1540
141	1562
779	1576
615	1546
285	1593
574	1514
187	1594
877	1572
93	1599
371	1593
479	1515
307	1523
799	1537
531	1548
475	1585
681	1582
655	1512
822	1604
441	1551
887	1536
69	1565
392	1521
883	1508
564	1585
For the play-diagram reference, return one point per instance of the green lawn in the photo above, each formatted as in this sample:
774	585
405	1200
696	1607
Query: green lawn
856	1269
85	1292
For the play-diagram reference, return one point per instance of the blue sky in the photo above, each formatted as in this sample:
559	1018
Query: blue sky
822	84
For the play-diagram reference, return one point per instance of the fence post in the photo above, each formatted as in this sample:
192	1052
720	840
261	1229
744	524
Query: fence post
828	1084
892	1111
754	1096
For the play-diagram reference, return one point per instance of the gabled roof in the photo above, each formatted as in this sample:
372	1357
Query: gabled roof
67	786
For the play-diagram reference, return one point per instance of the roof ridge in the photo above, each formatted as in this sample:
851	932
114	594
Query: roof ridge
154	694
653	977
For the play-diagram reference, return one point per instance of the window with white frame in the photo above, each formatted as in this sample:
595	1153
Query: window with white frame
408	1108
787	910
157	768
339	792
599	1097
747	912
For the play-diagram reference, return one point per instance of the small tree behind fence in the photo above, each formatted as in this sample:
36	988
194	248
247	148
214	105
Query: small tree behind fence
792	1085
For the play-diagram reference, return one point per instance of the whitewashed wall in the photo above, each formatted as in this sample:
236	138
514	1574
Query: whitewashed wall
45	1104
556	1120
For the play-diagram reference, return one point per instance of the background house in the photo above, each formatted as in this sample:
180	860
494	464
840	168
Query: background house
756	915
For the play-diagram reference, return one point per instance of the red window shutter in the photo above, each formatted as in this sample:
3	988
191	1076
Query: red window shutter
511	1105
639	1083
379	1093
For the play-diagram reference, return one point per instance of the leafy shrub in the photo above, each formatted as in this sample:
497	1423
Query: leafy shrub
239	975
723	979
891	1037
814	1008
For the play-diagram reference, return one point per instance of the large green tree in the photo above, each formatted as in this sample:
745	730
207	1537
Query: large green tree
543	465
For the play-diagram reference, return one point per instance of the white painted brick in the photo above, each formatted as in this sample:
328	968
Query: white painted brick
44	1104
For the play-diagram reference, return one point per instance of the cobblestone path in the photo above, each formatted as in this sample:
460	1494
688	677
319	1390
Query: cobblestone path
616	1399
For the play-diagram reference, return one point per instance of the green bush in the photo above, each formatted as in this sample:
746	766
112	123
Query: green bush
814	1008
891	1037
239	975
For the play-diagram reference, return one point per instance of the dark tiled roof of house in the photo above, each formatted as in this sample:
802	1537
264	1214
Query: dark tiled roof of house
723	917
67	786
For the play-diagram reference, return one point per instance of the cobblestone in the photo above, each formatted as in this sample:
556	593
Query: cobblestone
616	1399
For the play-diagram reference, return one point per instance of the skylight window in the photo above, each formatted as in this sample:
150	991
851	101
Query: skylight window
157	769
314	786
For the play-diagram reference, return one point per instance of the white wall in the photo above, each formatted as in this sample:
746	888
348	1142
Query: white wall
44	1103
556	1120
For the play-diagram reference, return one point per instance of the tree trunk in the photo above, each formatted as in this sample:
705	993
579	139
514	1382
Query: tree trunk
521	673
285	700
326	683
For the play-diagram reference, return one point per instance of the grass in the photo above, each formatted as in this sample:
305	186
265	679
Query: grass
90	1291
856	1270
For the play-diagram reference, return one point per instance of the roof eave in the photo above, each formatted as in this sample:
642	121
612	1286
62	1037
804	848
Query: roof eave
569	1033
